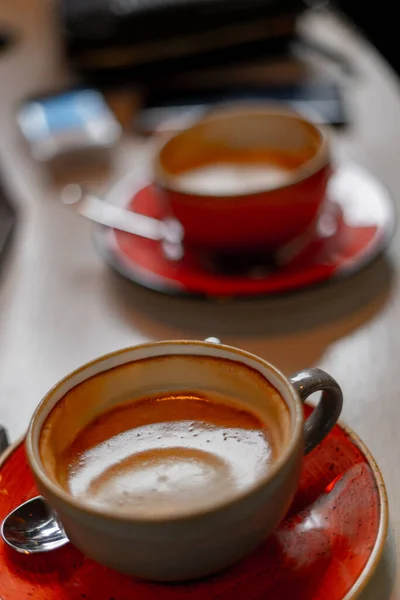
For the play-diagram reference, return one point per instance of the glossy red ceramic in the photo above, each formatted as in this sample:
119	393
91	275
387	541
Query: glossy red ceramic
267	217
326	549
264	220
355	226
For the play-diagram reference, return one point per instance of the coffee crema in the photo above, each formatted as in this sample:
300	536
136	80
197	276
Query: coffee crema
234	178
225	171
167	454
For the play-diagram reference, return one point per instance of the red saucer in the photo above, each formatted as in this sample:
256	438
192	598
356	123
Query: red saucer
326	549
356	226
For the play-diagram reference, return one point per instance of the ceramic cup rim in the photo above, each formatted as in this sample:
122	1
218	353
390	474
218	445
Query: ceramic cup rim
316	163
287	391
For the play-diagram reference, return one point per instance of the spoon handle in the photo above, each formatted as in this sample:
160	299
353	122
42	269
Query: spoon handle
91	207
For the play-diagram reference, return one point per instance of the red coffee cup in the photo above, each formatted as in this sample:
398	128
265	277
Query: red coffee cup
279	165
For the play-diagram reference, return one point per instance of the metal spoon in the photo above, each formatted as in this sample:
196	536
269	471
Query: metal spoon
33	527
168	231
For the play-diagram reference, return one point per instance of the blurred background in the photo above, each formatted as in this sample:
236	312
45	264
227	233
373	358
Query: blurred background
147	69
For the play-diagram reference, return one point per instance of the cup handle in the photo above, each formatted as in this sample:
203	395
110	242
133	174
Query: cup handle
328	409
4	440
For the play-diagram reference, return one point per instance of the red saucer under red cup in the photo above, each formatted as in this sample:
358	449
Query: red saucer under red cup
327	548
354	228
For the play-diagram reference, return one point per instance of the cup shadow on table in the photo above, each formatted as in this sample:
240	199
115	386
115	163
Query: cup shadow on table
292	331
